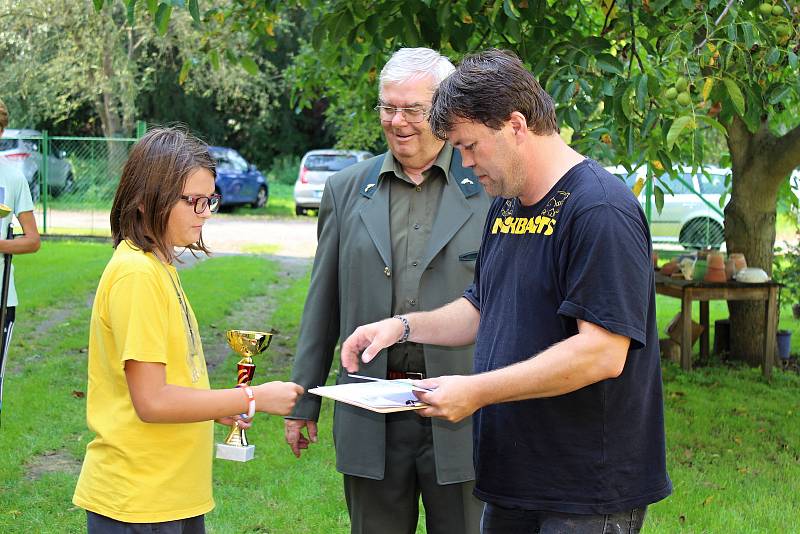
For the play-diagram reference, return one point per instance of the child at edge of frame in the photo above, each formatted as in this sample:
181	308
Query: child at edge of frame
149	402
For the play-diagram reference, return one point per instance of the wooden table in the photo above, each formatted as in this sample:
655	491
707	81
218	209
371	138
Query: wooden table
689	290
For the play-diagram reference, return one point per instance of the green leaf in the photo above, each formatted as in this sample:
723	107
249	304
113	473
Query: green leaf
152	7
773	56
162	18
737	98
677	128
792	58
98	5
213	56
779	93
608	63
511	11
249	65
749	39
187	65
130	11
659	194
714	124
641	93
194	10
626	103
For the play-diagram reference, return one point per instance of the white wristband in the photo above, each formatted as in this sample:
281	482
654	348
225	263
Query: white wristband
251	407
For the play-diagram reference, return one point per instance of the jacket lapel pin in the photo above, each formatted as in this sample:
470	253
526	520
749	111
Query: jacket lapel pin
369	186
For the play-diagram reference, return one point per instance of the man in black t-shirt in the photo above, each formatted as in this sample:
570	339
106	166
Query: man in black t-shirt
566	397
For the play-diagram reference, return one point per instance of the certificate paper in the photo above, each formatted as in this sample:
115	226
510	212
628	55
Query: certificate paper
384	396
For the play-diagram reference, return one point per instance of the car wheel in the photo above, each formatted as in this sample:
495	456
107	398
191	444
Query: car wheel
299	211
69	183
702	233
35	188
261	197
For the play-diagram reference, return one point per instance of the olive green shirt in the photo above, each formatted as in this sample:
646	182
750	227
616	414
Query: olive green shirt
412	213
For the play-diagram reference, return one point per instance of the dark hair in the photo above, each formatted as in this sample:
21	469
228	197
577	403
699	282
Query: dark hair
487	87
151	183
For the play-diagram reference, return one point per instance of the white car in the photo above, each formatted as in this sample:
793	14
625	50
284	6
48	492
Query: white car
687	218
22	147
315	168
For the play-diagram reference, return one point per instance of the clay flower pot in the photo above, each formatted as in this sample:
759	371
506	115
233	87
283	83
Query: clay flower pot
716	261
739	261
715	275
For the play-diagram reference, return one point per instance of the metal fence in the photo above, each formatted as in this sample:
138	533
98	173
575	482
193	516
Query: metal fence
72	179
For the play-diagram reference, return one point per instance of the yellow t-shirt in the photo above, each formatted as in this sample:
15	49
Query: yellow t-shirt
134	471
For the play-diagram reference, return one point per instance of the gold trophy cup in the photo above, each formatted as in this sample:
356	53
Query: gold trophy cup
248	344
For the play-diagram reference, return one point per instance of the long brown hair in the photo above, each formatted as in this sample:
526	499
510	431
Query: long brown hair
152	182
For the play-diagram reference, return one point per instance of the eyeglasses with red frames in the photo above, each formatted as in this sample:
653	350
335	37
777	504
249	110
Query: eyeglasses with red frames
200	202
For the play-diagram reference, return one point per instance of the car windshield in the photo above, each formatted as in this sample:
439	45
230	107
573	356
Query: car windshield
713	183
329	162
227	160
677	187
8	144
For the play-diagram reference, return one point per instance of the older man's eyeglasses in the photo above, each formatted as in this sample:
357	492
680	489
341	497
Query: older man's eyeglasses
200	202
413	114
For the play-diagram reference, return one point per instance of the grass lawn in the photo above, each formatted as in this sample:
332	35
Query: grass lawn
733	440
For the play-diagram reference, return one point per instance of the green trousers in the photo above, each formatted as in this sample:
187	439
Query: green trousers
391	505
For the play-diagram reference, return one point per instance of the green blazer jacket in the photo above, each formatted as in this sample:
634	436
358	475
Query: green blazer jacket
351	285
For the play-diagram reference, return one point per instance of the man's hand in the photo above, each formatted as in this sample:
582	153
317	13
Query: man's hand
453	397
370	338
293	431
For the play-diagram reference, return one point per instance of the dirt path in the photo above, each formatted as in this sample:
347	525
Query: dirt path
254	314
290	238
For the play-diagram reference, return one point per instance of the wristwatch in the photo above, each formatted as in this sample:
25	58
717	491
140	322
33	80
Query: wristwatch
406	328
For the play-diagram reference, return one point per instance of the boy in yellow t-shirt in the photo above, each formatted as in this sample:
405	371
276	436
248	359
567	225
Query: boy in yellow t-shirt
149	401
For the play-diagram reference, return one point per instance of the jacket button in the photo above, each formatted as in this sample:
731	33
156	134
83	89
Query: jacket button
387	271
414	263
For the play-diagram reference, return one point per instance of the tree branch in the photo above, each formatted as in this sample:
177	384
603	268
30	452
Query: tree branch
783	153
716	23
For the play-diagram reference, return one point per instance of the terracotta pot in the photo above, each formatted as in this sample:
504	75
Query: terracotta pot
716	261
669	268
739	261
715	275
730	269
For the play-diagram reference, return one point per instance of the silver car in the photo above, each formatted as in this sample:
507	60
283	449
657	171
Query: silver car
315	168
22	147
687	218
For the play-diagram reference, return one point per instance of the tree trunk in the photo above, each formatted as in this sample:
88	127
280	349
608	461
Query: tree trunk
760	162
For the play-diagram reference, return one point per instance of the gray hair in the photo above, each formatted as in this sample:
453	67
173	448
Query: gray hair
410	63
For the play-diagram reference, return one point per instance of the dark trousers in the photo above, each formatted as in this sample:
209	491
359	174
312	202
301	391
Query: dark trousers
100	524
391	505
8	330
498	520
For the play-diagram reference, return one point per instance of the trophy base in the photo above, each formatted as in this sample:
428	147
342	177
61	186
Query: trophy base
236	453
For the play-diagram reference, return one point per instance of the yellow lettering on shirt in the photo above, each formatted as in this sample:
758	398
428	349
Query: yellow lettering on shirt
541	224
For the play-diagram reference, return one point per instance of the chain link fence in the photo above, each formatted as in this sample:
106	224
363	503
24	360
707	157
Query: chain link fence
72	179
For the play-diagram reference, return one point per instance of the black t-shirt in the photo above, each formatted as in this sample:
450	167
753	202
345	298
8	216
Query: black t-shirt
582	252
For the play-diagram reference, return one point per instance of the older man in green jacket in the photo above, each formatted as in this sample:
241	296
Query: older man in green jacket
397	233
